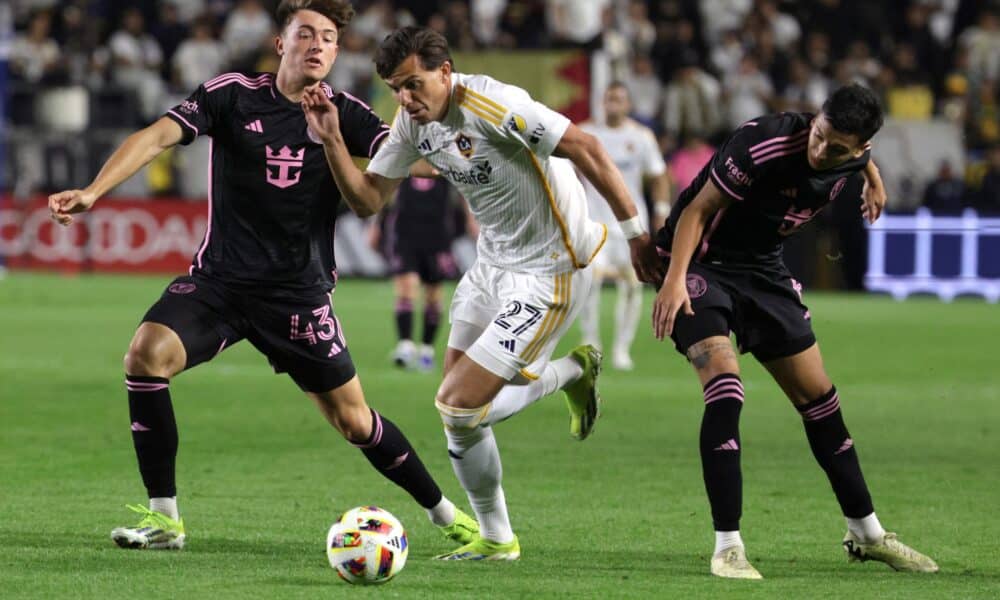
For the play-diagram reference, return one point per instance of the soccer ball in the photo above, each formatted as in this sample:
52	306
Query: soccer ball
367	546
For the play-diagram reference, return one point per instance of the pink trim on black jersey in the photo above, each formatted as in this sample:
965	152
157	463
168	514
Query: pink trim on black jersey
371	149
208	231
718	180
708	234
186	122
247	82
779	146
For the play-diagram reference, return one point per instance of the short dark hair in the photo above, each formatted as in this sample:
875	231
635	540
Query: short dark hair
430	47
855	110
338	11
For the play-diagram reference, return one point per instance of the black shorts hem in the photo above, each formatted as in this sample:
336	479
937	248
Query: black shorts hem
769	351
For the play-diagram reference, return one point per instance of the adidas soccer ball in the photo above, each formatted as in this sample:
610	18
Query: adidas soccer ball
367	545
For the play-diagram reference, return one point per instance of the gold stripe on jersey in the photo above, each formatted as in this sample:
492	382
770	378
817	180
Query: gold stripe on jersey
481	113
490	108
604	238
395	116
529	375
484	100
558	314
555	212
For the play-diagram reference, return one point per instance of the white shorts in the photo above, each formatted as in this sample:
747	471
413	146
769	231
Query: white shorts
521	316
614	261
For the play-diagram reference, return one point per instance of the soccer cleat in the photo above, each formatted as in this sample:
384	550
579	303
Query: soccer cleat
464	529
426	360
582	397
483	549
732	562
621	360
405	354
891	551
156	531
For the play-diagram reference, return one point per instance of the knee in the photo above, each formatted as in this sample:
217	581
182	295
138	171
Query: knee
355	425
456	417
153	356
712	357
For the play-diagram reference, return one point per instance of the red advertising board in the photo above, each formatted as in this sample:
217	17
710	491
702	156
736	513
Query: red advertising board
118	235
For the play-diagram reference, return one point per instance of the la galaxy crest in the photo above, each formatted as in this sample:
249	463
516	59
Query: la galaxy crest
464	145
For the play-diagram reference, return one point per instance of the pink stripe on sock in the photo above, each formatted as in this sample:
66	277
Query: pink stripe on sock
376	435
823	410
724	381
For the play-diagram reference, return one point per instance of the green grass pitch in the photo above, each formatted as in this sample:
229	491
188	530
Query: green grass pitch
622	515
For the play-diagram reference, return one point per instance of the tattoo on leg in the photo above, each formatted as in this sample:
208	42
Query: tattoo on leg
700	353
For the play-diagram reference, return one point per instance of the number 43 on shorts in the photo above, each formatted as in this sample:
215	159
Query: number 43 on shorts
326	329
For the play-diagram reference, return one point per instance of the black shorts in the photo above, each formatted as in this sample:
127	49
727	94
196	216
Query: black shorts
301	338
762	306
433	266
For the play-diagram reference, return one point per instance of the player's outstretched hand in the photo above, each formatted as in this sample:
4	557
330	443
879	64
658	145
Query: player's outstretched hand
872	201
321	115
65	204
672	297
647	264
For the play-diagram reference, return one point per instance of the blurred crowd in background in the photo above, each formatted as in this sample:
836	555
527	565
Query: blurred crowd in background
695	68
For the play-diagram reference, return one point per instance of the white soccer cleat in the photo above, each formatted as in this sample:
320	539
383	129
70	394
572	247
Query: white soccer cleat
891	551
405	354
732	563
156	531
621	361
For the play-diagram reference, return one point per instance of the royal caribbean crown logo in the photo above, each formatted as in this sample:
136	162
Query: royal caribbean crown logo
280	165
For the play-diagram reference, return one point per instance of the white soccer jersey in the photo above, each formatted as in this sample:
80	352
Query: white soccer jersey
495	145
633	148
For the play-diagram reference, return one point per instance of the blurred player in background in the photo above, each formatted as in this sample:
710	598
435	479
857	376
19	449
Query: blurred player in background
500	149
636	153
416	233
724	241
265	271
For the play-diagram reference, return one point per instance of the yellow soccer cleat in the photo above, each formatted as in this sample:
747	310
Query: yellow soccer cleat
732	562
891	551
156	531
463	529
582	397
483	549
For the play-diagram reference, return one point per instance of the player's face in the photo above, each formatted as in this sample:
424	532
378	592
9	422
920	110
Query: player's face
308	46
616	104
829	148
422	93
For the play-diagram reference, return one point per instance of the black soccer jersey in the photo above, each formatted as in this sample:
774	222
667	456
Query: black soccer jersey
272	199
421	218
763	168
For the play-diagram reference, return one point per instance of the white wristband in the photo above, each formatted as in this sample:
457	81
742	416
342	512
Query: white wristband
632	228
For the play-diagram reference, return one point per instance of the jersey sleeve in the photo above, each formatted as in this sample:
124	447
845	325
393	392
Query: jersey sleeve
518	118
396	153
362	129
652	159
732	169
201	113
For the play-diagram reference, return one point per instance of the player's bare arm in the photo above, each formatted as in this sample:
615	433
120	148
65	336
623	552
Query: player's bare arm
873	196
137	150
592	160
366	193
673	295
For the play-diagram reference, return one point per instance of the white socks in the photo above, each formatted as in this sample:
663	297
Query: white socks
443	513
476	461
590	316
726	539
167	506
512	399
627	310
868	529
